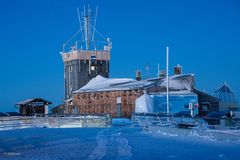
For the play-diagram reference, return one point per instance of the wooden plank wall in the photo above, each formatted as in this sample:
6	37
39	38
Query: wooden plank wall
106	102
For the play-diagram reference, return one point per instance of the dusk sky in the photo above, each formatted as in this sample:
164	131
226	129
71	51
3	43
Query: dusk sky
203	37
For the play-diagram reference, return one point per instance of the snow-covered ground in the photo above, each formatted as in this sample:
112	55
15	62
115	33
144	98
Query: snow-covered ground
122	141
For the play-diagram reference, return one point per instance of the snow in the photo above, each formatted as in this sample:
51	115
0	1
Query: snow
119	143
25	101
121	121
144	104
177	84
101	83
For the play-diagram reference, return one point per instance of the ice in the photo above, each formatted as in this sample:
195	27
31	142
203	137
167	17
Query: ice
144	104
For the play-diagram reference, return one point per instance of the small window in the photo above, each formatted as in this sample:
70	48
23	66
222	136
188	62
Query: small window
92	68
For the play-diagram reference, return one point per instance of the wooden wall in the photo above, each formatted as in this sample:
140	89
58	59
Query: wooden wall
106	102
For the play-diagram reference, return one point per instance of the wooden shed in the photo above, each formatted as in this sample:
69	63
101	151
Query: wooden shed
33	106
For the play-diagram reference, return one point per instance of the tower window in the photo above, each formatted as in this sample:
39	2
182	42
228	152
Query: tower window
93	68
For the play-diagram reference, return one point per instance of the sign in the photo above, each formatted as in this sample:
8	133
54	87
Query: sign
119	100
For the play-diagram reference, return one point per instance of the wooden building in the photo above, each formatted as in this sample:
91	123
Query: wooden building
33	106
115	103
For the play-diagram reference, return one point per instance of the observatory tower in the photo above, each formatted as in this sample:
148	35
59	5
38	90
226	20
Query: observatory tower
83	55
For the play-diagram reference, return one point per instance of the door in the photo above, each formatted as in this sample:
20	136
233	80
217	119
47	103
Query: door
119	110
119	107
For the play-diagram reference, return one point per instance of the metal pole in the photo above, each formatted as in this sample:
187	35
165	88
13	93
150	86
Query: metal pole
167	50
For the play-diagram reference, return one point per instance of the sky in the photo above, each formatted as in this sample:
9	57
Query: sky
203	37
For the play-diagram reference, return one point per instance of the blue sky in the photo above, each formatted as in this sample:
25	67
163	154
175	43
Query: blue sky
203	36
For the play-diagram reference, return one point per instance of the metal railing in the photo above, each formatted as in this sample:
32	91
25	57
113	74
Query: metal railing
54	121
163	120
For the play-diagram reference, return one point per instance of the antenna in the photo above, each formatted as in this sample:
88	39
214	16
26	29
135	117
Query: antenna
87	23
80	22
167	50
95	21
147	69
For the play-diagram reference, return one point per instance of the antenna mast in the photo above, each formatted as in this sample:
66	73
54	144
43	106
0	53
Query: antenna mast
87	23
167	49
87	16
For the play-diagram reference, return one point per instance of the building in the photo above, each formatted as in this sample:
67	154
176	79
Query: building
87	57
227	98
33	106
207	103
89	90
108	96
123	97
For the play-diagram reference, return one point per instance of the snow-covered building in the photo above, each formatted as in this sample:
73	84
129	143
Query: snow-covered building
121	97
33	106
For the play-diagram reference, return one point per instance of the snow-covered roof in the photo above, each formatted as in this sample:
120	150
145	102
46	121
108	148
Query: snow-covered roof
25	101
100	83
180	82
30	100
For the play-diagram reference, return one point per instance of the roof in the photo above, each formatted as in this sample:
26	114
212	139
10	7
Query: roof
224	88
28	101
197	91
225	94
100	83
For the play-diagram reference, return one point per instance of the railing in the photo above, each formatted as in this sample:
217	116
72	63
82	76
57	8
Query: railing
163	120
54	121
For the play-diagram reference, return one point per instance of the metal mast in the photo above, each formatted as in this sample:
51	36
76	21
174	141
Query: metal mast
87	19
167	49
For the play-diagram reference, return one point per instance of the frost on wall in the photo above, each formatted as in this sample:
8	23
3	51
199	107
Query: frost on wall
144	104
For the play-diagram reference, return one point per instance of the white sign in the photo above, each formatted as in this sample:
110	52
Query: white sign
119	100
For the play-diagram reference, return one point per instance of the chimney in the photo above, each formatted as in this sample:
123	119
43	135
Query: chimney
138	75
177	70
162	74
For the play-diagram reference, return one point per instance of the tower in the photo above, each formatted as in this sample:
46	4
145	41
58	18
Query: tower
87	57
